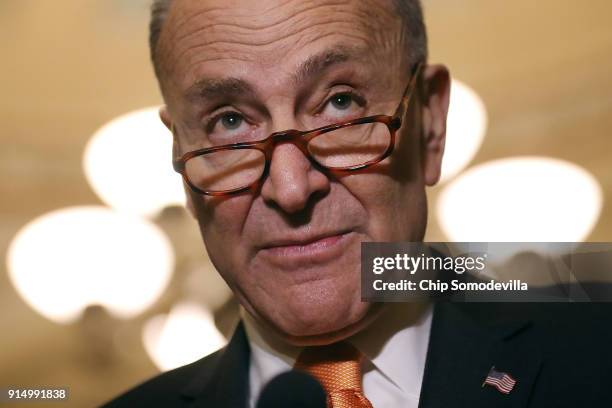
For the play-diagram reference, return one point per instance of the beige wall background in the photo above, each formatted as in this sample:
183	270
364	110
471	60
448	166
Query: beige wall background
543	69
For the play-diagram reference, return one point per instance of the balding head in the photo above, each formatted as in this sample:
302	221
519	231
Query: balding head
410	11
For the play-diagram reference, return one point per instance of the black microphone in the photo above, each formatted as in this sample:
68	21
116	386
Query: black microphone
293	389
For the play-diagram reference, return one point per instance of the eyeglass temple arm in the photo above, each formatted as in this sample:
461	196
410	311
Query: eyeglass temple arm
176	159
408	92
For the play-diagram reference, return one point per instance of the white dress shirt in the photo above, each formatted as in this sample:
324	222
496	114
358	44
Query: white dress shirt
395	347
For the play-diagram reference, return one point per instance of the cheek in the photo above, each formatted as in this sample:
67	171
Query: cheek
393	195
222	216
221	221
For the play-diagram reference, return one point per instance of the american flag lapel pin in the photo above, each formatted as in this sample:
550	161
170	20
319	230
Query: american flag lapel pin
503	382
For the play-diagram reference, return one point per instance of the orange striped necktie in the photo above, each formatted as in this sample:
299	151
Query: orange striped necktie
338	368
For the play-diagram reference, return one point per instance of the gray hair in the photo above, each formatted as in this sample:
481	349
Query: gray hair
410	11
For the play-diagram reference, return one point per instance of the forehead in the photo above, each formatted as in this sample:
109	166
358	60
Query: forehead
218	36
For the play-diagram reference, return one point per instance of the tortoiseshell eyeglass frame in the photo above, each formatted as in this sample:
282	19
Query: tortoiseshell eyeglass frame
301	139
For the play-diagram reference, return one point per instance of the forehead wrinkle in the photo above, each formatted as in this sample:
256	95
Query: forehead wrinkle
188	17
232	14
250	29
246	38
269	56
250	23
278	38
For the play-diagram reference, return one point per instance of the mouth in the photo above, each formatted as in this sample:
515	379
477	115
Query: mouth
308	250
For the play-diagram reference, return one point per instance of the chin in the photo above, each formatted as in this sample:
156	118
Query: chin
314	305
320	326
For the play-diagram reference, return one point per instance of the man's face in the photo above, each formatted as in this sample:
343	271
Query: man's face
240	70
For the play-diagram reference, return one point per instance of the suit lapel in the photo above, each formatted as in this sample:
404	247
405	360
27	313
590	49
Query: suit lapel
463	349
227	384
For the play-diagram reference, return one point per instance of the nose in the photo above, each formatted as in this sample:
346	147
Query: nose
292	180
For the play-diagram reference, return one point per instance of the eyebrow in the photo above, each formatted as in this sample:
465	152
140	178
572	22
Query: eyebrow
318	63
210	88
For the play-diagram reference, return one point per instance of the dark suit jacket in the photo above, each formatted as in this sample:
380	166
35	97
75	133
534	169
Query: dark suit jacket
560	355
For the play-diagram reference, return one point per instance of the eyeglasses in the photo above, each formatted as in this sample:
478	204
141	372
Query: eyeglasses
341	147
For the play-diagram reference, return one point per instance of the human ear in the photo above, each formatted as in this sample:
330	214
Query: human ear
189	201
164	115
435	96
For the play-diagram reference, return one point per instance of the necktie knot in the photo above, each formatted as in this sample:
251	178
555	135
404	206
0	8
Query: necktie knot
338	368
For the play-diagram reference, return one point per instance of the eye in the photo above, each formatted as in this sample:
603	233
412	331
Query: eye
341	106
226	126
230	126
231	120
342	101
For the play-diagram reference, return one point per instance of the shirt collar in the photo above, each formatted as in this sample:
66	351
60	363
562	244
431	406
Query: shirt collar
395	344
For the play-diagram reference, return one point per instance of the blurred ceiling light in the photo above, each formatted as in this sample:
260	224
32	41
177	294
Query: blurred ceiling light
68	259
128	164
523	199
185	335
466	126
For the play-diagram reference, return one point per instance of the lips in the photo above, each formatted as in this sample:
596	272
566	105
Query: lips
316	240
296	252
